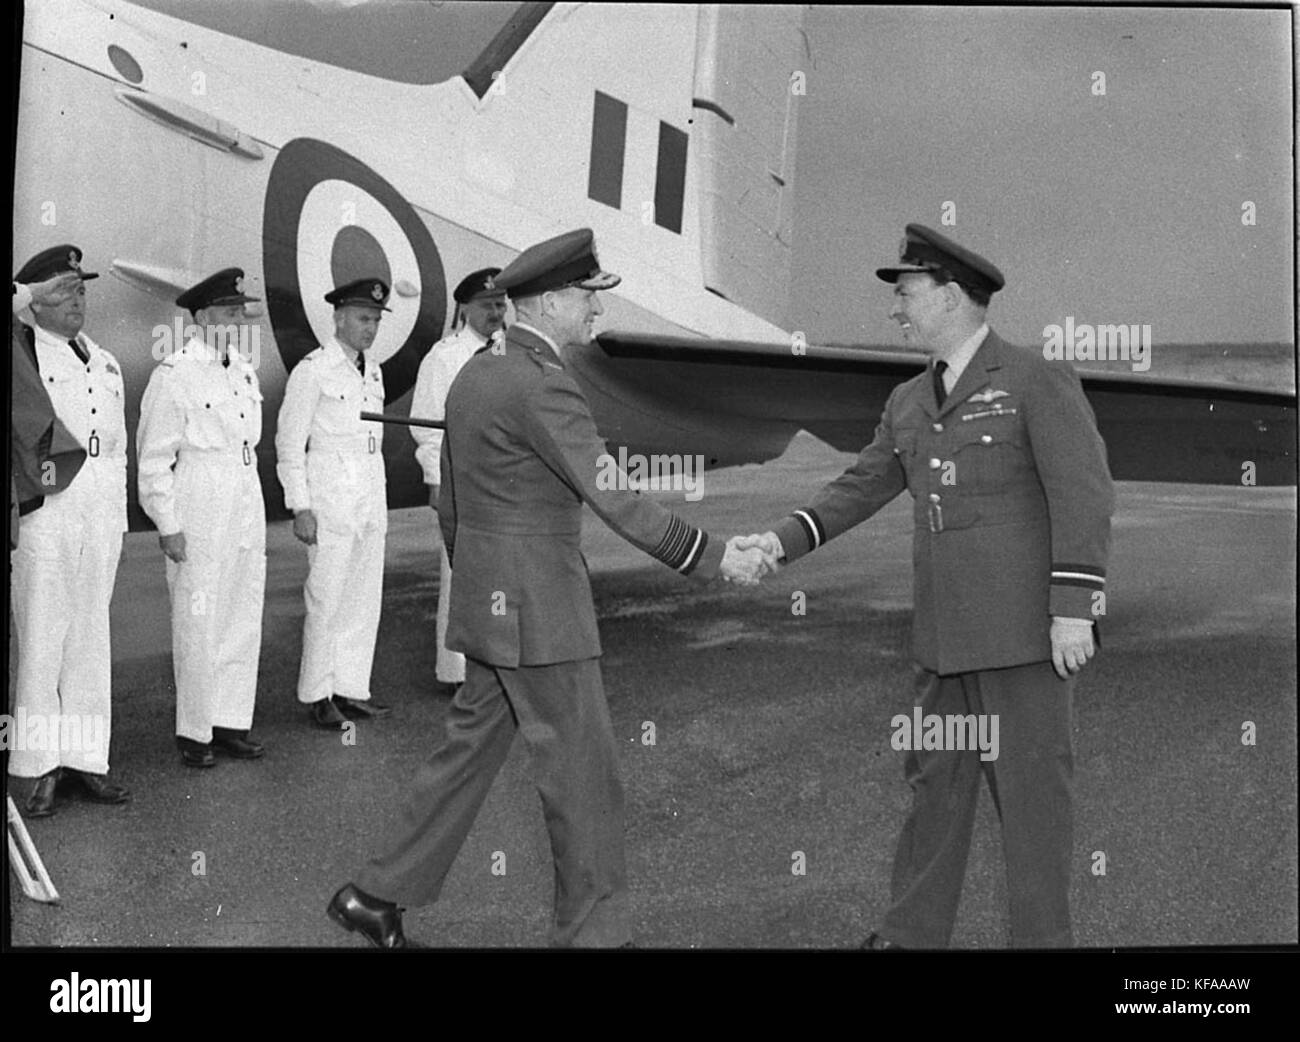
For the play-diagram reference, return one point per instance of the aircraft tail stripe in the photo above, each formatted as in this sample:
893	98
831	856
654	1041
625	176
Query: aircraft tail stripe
670	177
608	146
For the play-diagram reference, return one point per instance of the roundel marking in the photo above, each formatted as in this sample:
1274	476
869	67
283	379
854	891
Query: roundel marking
330	219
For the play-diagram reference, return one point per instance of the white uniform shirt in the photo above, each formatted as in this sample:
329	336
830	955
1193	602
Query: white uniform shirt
89	397
328	459
437	370
194	406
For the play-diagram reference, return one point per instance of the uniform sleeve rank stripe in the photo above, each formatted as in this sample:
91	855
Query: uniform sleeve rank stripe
1061	568
812	525
1077	579
672	548
697	550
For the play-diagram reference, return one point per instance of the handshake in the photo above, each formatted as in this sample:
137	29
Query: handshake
750	557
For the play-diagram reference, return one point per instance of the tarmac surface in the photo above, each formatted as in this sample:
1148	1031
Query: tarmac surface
771	740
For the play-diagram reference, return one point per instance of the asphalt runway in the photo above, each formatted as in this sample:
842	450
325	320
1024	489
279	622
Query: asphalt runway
771	740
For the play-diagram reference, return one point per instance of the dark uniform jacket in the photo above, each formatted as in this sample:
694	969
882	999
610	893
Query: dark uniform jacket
1012	505
39	436
520	458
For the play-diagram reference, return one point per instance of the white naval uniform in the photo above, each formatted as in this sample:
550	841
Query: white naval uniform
65	566
206	418
331	462
437	371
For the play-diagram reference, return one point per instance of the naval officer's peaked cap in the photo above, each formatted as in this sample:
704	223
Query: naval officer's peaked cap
225	287
478	284
370	293
566	260
924	249
54	261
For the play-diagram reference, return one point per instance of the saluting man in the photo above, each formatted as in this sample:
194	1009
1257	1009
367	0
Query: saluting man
521	457
200	422
483	307
331	466
65	564
1013	498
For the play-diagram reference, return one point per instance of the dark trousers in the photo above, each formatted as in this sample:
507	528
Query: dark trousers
561	711
1031	783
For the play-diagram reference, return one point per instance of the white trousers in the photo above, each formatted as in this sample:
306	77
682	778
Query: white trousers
217	594
450	668
344	593
63	574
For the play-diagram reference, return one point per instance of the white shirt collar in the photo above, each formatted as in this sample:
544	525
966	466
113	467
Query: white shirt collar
471	335
198	350
59	344
960	358
348	353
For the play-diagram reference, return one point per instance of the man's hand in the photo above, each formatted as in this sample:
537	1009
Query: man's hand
1071	645
173	546
433	496
768	543
743	566
54	291
304	527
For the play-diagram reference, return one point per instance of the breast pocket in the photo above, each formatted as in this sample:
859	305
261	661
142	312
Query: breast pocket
988	454
339	407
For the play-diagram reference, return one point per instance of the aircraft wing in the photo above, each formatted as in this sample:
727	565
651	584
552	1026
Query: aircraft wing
735	402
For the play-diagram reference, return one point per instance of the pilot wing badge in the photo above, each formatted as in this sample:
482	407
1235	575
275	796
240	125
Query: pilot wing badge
988	396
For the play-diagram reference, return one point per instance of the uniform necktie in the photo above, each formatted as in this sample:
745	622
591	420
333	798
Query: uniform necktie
361	364
940	393
82	353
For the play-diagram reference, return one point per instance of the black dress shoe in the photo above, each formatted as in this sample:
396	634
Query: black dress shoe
235	744
97	788
380	922
195	754
446	689
40	804
326	714
876	943
359	709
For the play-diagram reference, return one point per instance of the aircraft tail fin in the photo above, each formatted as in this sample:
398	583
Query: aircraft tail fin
670	130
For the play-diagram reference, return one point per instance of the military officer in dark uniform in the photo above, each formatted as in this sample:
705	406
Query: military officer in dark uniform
1012	504
520	458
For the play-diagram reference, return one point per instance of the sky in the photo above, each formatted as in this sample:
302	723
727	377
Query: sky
1122	208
